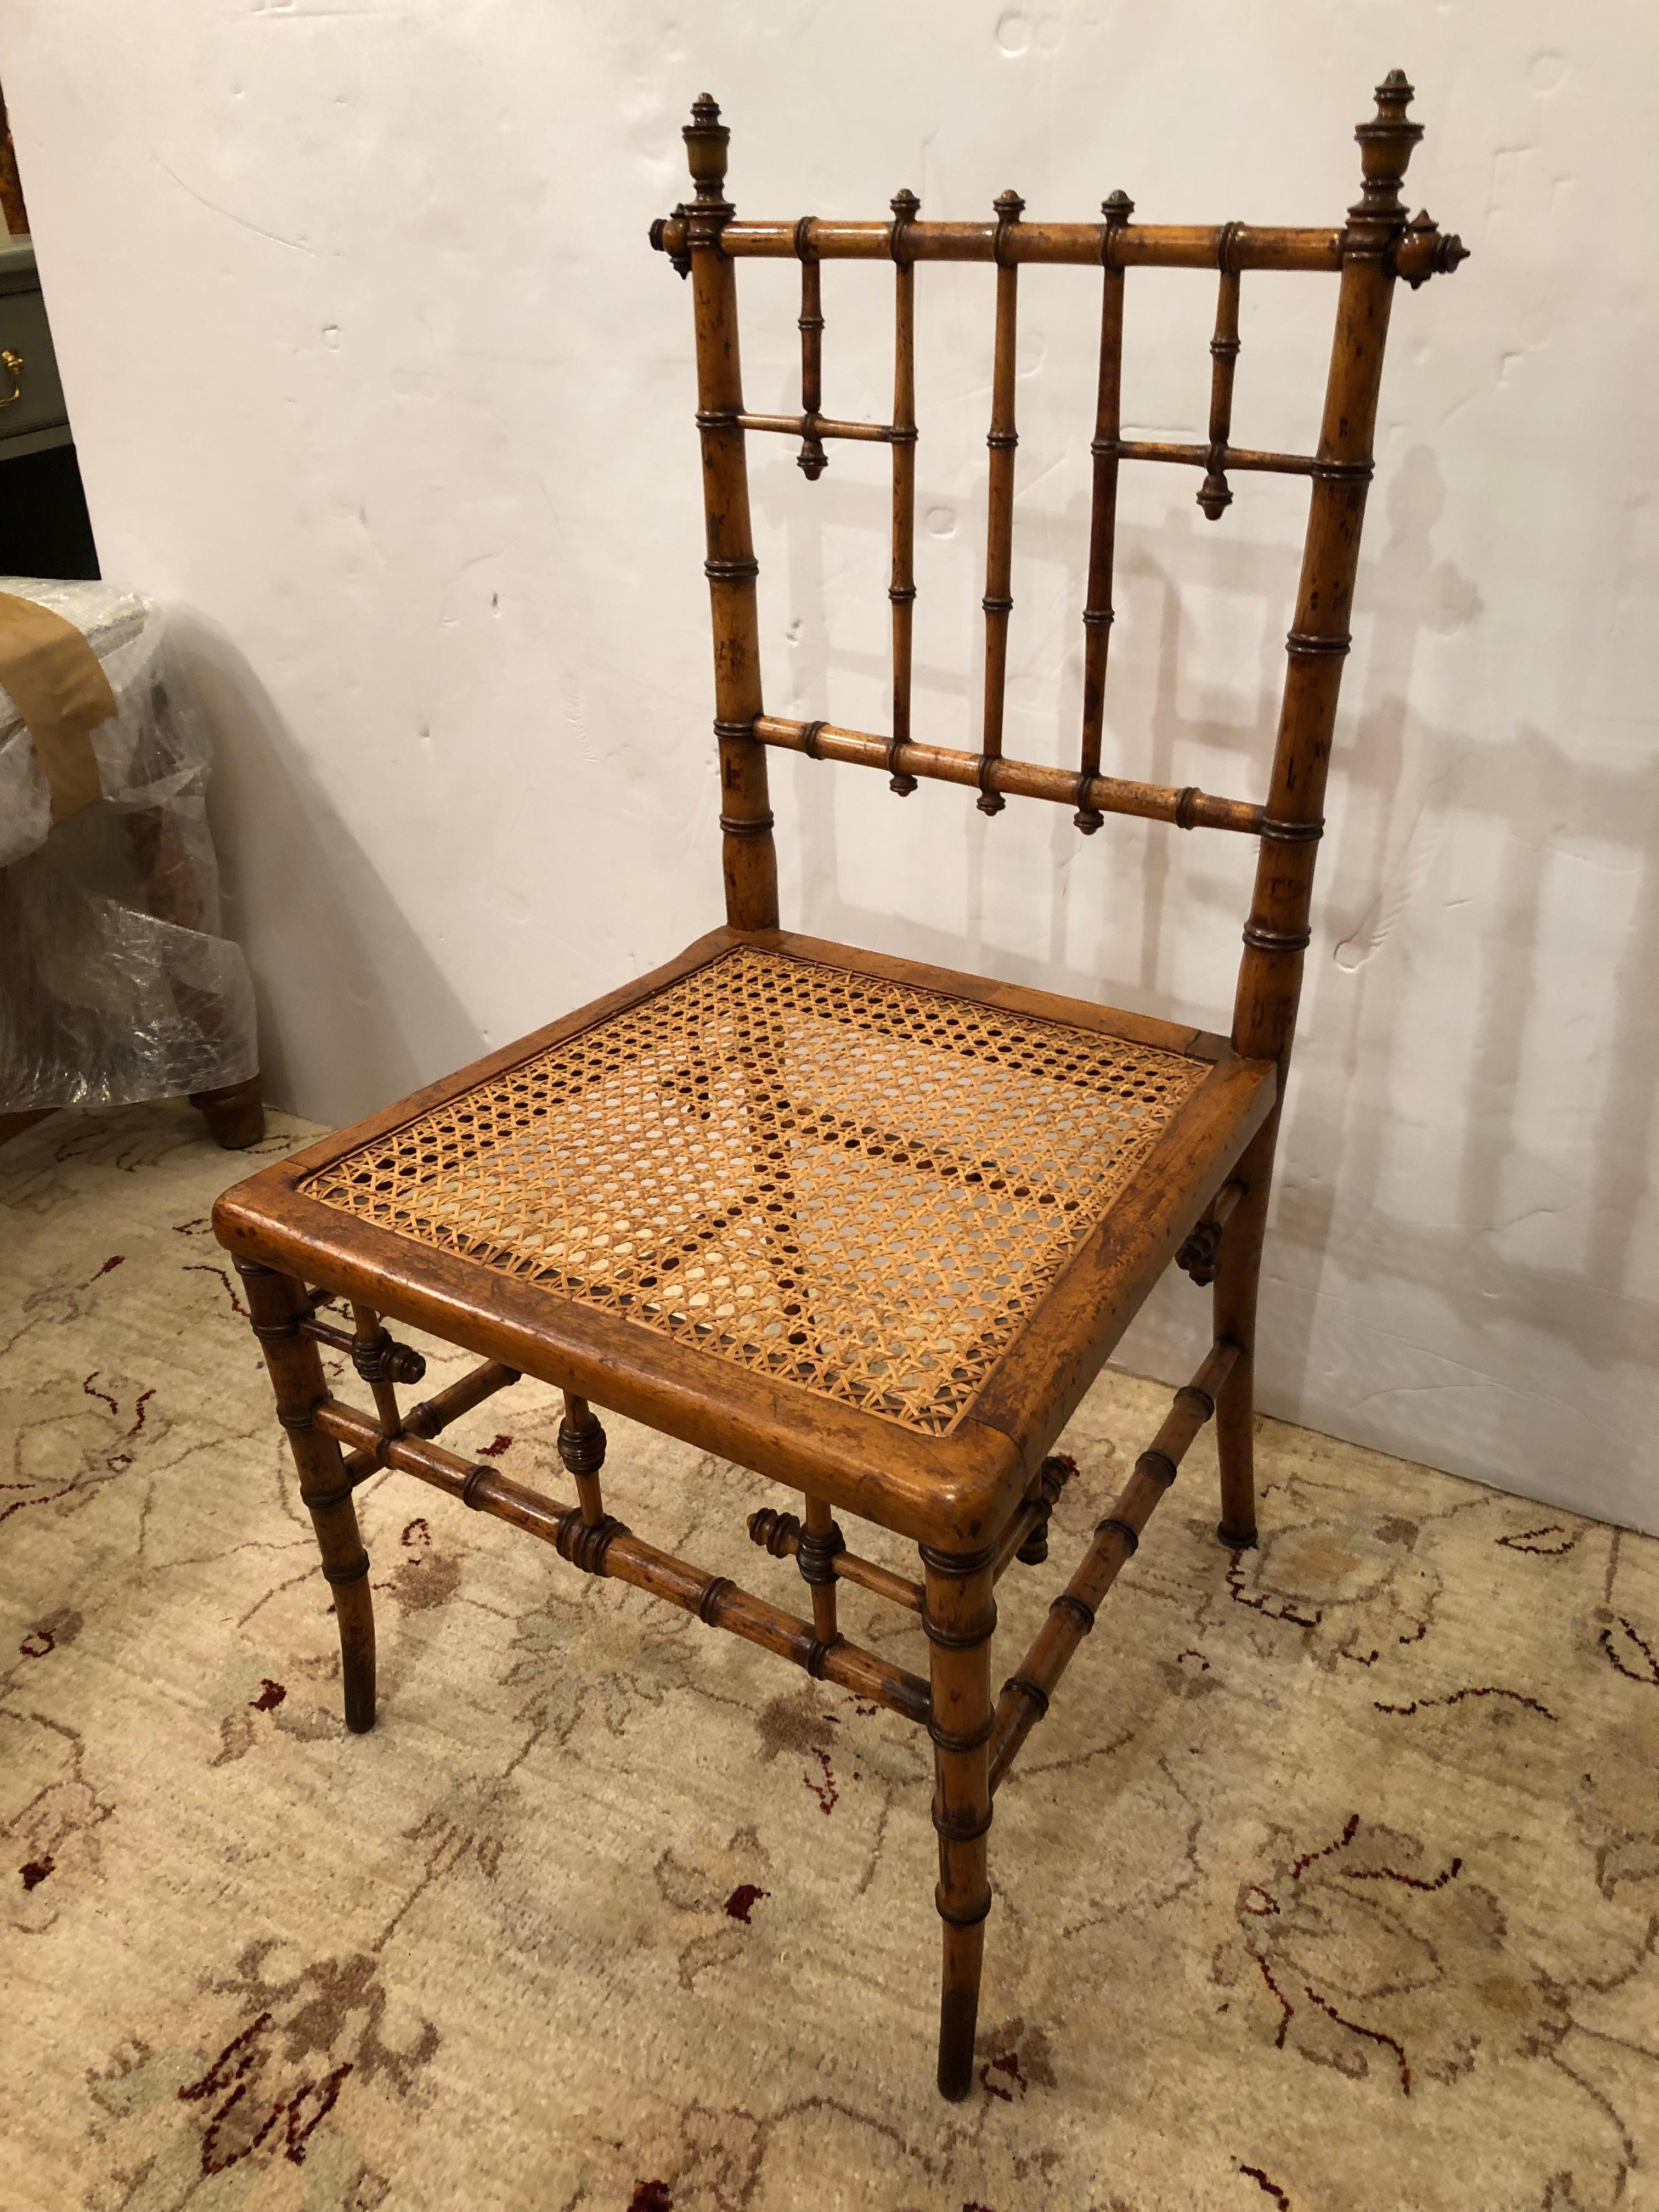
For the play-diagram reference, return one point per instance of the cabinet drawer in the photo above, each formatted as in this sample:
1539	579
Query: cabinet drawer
39	404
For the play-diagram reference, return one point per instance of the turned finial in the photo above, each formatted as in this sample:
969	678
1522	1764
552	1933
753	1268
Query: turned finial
706	138
1394	96
1376	220
1116	208
1423	252
1385	146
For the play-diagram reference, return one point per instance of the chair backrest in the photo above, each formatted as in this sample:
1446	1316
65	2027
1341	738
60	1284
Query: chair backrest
1376	245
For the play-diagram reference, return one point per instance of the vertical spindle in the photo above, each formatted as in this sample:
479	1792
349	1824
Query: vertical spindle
1001	440
1214	494
370	1355
815	1555
1102	510
902	592
812	460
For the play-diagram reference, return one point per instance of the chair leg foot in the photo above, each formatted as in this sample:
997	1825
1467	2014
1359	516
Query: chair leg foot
1238	1273
958	2010
275	1303
355	1607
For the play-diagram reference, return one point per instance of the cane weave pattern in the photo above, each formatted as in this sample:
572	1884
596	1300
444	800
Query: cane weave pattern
853	1185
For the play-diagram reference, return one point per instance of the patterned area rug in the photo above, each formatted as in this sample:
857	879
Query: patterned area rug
1332	1881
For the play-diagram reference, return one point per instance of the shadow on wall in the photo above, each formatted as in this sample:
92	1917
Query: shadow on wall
352	1011
1603	1040
1540	1104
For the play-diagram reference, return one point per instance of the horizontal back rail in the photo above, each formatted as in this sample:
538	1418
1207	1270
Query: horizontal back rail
1133	246
1189	808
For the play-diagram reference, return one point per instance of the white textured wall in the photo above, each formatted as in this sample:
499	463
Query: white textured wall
371	369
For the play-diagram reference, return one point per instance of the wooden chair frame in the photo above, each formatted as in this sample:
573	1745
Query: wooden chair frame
975	1493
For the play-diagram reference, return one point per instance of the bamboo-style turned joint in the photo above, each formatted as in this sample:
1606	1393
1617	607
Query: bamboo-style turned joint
816	1552
582	1448
1026	1537
780	1534
1198	1255
906	208
385	1361
432	1415
1010	207
377	1361
1116	209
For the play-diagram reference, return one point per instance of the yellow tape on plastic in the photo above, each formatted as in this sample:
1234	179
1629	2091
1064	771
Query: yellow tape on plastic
54	680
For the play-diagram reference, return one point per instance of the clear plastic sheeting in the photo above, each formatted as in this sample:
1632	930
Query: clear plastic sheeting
115	984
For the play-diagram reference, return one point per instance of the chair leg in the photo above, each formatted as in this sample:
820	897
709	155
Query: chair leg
1237	1270
959	1616
276	1303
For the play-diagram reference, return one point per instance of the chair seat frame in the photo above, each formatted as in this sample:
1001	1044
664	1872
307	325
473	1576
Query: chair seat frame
979	1498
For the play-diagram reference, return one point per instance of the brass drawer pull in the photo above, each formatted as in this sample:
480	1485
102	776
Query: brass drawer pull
12	362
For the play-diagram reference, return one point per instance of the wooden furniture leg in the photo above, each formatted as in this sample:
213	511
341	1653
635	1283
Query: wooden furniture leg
1238	1269
277	1304
234	1114
959	1616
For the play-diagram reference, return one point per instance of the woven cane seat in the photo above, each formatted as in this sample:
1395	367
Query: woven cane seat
853	1184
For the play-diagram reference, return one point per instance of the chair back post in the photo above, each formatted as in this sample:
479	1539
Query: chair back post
1276	936
748	857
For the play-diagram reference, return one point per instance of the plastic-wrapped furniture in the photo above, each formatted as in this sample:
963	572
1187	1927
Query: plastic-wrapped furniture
866	1227
115	984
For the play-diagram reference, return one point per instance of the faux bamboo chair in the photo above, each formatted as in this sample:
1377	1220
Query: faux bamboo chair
868	1227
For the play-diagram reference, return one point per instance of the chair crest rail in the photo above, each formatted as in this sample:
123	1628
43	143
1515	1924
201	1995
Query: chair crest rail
1083	245
1422	251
